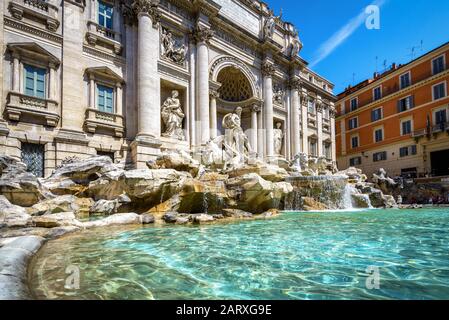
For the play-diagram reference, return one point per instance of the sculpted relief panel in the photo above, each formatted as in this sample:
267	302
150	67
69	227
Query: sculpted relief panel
172	47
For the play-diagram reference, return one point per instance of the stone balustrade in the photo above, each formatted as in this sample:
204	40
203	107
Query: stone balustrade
96	119
20	106
40	9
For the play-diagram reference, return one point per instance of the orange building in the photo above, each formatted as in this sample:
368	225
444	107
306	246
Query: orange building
398	120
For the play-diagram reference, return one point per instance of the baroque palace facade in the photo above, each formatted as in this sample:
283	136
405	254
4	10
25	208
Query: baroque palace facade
130	79
398	120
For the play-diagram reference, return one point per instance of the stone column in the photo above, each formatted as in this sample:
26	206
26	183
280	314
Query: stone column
254	127
268	71
92	91
192	94
213	113
202	36
304	121
16	73
260	134
319	124
119	98
52	82
148	82
295	105
332	120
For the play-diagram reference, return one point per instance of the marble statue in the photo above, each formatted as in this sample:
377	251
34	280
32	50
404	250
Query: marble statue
170	49
172	116
269	26
235	143
296	47
278	134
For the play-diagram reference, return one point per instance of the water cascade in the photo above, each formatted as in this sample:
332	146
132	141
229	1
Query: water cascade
333	191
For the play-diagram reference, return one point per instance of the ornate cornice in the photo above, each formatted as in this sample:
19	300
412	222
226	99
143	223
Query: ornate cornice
268	69
25	27
202	34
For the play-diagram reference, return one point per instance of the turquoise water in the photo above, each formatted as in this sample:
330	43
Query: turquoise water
295	256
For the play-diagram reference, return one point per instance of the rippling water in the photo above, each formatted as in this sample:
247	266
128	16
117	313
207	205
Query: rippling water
295	256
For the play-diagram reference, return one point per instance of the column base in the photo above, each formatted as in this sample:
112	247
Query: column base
144	148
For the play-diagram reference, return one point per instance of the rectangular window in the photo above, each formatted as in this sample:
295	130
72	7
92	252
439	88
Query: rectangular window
407	151
326	113
405	104
353	123
33	155
313	148
327	150
355	161
355	142
354	104
34	81
377	93
439	91
105	98
378	135
440	116
311	106
438	65
405	80
406	127
105	13
380	156
376	114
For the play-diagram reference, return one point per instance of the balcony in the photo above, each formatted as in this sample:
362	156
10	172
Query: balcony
100	120
41	10
419	133
97	34
25	108
441	127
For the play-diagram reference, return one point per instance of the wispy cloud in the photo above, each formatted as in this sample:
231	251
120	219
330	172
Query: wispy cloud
341	35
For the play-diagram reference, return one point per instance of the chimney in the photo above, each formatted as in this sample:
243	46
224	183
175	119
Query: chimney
393	66
375	75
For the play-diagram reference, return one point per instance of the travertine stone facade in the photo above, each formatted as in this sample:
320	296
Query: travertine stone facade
86	77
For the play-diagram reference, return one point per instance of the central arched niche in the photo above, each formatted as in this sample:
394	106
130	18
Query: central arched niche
235	86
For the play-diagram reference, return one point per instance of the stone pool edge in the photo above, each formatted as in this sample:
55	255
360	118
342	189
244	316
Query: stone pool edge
15	257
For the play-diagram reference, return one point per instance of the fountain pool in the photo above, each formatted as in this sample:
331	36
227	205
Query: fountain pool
302	255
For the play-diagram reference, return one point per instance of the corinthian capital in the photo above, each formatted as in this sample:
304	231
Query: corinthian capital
131	10
268	69
202	34
295	84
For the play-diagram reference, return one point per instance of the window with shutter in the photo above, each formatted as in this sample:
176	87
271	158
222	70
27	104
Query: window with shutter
105	98
34	81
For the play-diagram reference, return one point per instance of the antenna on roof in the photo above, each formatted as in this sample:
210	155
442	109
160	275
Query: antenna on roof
385	65
353	78
377	58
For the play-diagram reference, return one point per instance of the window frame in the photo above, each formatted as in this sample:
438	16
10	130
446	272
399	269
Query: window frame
351	161
433	90
97	92
375	130
412	103
381	114
436	110
409	73
376	154
401	121
358	141
444	63
36	67
374	90
105	17
356	99
357	123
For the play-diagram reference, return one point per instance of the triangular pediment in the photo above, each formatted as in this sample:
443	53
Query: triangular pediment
32	49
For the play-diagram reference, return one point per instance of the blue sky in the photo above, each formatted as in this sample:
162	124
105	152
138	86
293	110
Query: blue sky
342	48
